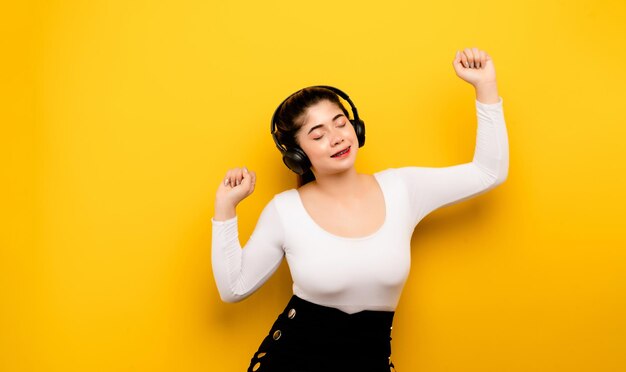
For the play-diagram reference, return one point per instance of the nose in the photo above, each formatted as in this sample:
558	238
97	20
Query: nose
337	139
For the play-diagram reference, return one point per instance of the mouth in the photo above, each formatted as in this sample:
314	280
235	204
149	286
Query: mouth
343	153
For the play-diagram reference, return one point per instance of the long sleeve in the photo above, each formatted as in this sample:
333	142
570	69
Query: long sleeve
240	272
430	188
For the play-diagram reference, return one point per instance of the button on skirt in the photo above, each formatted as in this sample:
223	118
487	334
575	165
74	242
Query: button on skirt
308	337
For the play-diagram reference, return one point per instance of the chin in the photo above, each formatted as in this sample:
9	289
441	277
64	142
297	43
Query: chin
336	170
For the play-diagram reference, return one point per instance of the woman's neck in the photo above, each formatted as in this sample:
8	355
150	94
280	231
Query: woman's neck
339	185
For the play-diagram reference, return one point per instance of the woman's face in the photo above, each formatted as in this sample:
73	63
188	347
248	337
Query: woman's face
328	138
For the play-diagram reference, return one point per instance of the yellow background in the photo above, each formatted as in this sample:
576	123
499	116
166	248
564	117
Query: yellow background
119	118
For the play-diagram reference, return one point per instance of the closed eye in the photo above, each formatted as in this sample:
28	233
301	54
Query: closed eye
343	124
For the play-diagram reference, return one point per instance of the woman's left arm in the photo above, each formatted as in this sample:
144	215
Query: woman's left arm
430	188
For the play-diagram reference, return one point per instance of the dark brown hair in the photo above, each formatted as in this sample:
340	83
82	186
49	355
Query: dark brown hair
289	118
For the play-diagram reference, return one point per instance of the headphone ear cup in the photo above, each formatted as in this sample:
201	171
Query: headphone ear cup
359	129
296	160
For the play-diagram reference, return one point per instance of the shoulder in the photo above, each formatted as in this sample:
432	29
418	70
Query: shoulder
393	180
285	195
394	172
285	201
410	176
409	171
386	172
278	209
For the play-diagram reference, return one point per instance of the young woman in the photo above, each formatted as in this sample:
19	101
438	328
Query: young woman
346	235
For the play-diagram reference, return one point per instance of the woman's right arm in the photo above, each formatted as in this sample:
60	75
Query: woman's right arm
240	272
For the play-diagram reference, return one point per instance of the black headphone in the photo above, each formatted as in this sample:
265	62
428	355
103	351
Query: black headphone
294	158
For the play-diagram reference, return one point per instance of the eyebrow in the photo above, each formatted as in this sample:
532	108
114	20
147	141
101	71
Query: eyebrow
321	125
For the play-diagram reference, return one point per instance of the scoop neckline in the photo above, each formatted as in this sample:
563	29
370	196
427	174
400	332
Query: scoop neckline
355	238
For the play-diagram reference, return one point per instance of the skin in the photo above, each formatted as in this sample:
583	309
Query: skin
340	200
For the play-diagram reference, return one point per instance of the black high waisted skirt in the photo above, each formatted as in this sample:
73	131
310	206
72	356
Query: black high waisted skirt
308	337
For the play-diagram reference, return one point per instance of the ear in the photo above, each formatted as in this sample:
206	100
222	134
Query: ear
296	159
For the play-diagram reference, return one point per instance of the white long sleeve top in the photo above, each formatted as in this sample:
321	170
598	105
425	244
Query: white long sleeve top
364	273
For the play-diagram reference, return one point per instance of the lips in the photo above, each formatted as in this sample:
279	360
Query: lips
341	153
